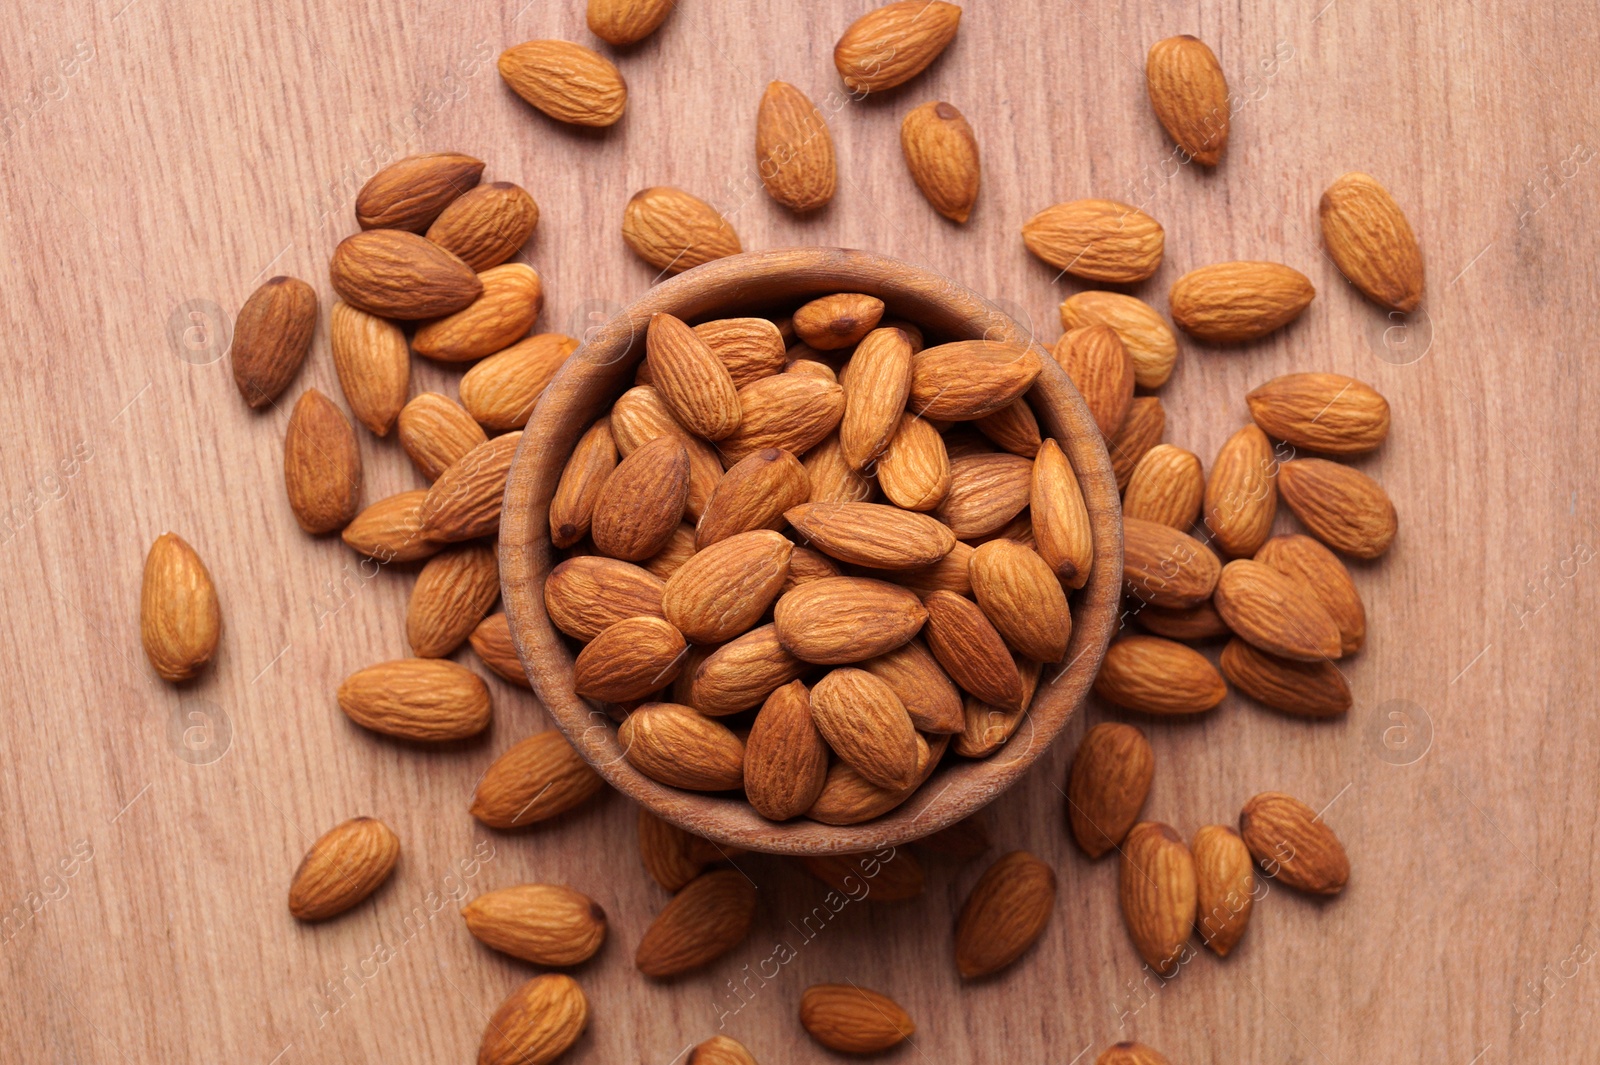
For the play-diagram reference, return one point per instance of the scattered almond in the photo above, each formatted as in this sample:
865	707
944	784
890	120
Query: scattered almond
1005	913
625	22
537	778
1098	362
1342	507
1292	843
1371	242
1158	893
708	918
1157	676
1130	1054
321	465
1141	430
464	503
374	365
942	154
1149	340
425	700
1108	784
410	193
1190	96
492	643
271	336
487	225
1167	487
1306	689
1326	412
390	530
1275	613
436	431
547	924
500	392
1165	567
720	1050
794	153
566	81
1224	887
673	231
537	1023
845	1017
179	620
1241	499
1101	240
502	314
452	594
890	45
395	274
1316	569
345	866
890	875
1230	303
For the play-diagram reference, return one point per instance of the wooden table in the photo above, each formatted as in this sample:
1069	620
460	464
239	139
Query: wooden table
161	160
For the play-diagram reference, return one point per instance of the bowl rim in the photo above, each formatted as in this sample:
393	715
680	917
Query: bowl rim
589	381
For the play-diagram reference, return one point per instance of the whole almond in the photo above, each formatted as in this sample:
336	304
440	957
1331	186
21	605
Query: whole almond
566	81
985	728
1149	340
500	392
537	778
1157	676
867	726
625	22
510	303
452	594
547	924
846	1017
537	1023
785	411
812	368
674	857
410	193
1316	569
831	323
1130	1054
435	431
678	746
1101	240
1241	498
1061	529
723	590
751	348
942	154
708	918
585	595
892	44
720	1050
889	875
673	231
1165	567
642	501
742	672
390	530
838	620
1275	613
395	274
582	479
1108	784
1018	592
831	477
986	492
872	534
1224	887
343	867
1193	623
922	685
848	798
1014	428
1326	412
968	379
1230	303
639	416
271	336
794	152
1342	507
1371	242
374	365
1190	96
425	700
629	660
321	465
1099	364
808	565
785	758
492	643
753	494
875	395
179	620
1140	431
486	225
914	470
1305	689
464	503
694	383
972	651
1005	913
1292	843
1158	894
679	549
1167	487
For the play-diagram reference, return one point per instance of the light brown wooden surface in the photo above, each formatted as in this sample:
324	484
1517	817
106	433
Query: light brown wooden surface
196	149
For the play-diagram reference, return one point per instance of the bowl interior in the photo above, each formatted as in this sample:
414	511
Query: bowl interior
775	282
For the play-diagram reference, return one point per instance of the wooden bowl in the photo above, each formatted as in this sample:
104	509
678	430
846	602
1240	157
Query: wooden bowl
776	282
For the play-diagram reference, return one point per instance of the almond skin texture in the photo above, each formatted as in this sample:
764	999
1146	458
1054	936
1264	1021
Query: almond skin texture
435	431
753	494
1342	507
972	651
808	565
1006	912
673	231
867	726
742	672
968	379
676	745
1019	593
179	620
1141	430
889	875
1013	428
848	798
674	857
831	323
1198	622
491	642
547	924
1101	240
1157	676
537	1023
1326	412
669	559
424	700
1305	689
872	534
1149	340
374	364
1158	894
1165	567
1231	303
566	81
500	392
1316	569
395	274
838	620
923	687
1130	1054
1292	844
875	395
942	155
642	501
390	530
986	493
696	386
1241	499
464	503
625	22
722	591
271	336
785	411
1224	887
751	348
708	918
1371	242
321	465
794	152
1190	96
1098	362
785	758
1061	528
1108	784
410	193
582	479
639	416
845	1017
586	595
1275	613
914	470
509	305
486	225
537	778
1167	487
629	660
720	1050
831	477
890	45
452	594
344	867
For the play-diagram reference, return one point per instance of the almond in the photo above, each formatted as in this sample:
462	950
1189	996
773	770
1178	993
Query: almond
1149	340
812	368
831	323
872	534
808	565
509	305
986	492
972	651
753	494
1165	567
1167	487
674	857
1108	784
985	728
586	595
1158	894
723	590
708	918
566	81
464	503
948	574
719	1049
625	22
629	660
1130	1054
1014	428
1316	569
492	643
1061	527
435	431
922	686
547	924
742	672
875	395
785	758
968	379
838	620
1305	689
639	416
751	348
1275	613
1099	364
374	365
501	391
678	746
1198	622
794	153
1293	844
410	193
1190	96
271	336
537	778
395	274
914	470
942	154
390	530
848	798
890	45
867	726
179	620
345	866
487	225
786	411
1342	507
1224	887
694	383
1101	240
425	700
537	1023
452	594
1324	412
1005	913
889	875
1371	242
582	479
831	477
846	1017
321	465
673	231
1157	676
1140	431
1230	303
642	501
1241	499
1019	593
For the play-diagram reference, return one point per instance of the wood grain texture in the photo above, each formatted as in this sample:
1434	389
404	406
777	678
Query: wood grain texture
159	158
